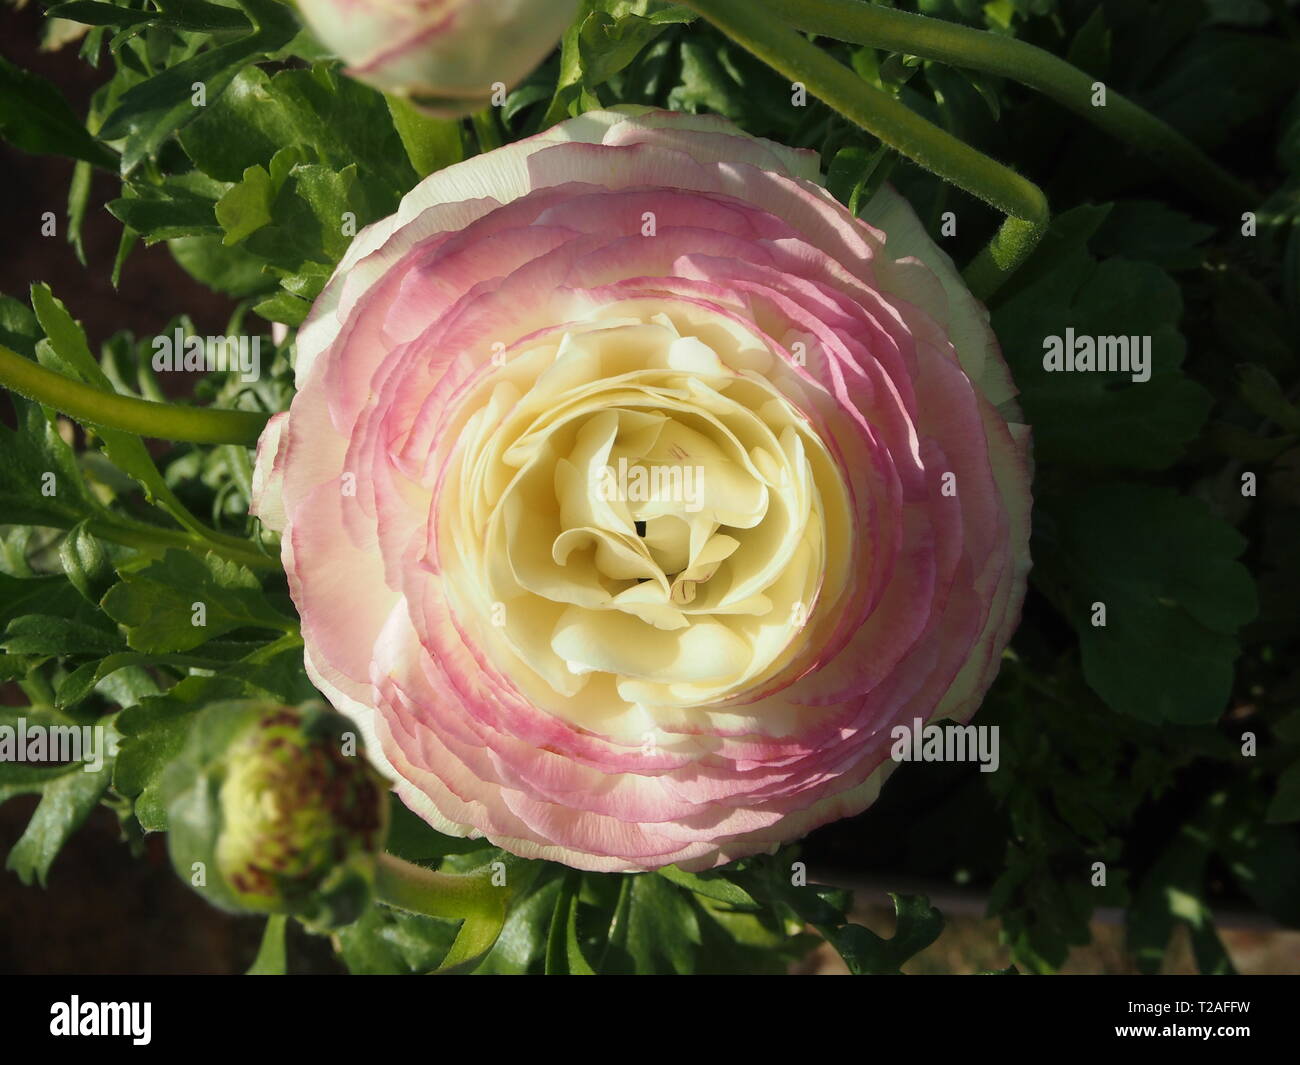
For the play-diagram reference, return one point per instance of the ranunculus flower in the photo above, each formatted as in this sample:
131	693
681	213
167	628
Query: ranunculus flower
444	54
588	664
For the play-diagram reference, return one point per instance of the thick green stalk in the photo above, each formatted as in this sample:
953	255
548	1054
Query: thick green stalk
415	889
109	410
859	22
473	899
791	54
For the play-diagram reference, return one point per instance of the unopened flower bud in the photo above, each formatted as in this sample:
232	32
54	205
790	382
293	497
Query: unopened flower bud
445	55
271	800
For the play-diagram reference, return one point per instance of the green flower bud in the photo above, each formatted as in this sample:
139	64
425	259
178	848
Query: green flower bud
272	811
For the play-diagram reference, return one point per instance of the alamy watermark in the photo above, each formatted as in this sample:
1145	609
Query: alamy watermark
241	354
53	744
1096	354
77	1018
637	483
919	742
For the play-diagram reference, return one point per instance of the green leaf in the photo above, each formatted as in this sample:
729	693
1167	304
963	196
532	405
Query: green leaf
389	942
180	14
865	953
151	111
160	604
1098	419
296	214
655	929
607	43
1250	325
1222	80
712	886
431	143
1164	567
66	801
44	634
165	212
1264	859
65	350
521	946
40	483
769	881
855	173
746	944
719	76
79	189
333	120
564	955
1154	232
24	595
27	778
91	13
83	680
284	307
605	37
569	83
36	118
410	837
232	271
247	206
153	734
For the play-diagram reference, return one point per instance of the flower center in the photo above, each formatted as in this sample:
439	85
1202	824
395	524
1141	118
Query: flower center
648	514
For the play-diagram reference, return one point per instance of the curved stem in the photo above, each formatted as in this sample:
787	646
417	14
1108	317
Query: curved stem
930	38
109	410
791	54
416	889
473	899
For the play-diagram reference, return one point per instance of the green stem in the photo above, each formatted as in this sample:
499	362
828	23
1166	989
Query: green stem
121	530
930	38
473	899
109	410
793	55
415	889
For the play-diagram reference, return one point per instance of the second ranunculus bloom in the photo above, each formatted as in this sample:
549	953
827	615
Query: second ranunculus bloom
634	491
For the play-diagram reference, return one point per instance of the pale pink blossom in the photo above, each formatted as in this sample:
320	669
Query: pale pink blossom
608	681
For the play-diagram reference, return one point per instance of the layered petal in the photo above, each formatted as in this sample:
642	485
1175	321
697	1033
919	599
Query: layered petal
634	491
